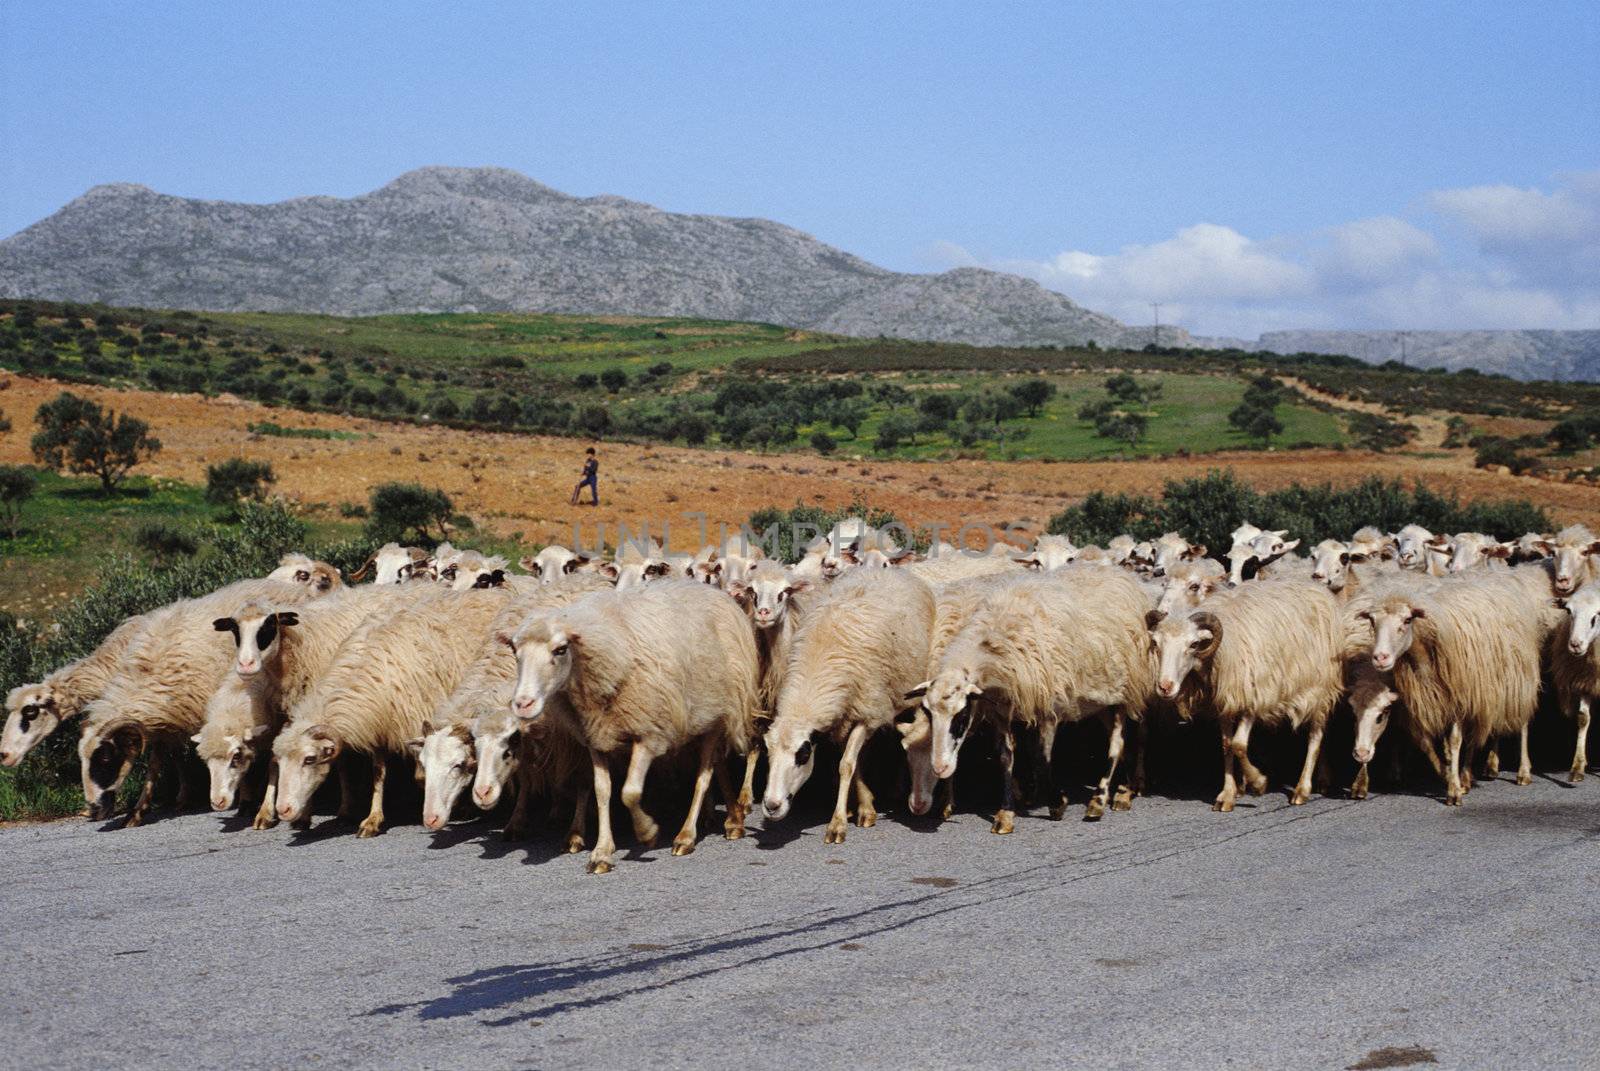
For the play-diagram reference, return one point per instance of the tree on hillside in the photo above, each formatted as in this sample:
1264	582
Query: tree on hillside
229	481
400	511
1256	413
17	484
1032	394
613	379
76	434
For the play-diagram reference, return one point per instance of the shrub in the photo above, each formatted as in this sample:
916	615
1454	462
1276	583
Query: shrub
822	443
895	429
165	542
76	434
594	420
229	481
692	428
613	379
1032	394
1493	450
17	485
1373	432
585	381
661	368
784	534
401	511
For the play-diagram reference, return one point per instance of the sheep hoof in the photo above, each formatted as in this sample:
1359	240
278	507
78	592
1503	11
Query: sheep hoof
1358	793
1452	799
1096	809
1491	765
866	819
1003	823
835	833
599	866
574	844
683	847
1524	778
1123	800
370	827
1257	786
732	830
948	810
1576	775
1058	811
264	821
136	818
1224	803
1299	798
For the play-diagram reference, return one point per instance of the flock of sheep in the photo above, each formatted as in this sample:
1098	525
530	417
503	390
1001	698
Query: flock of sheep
546	681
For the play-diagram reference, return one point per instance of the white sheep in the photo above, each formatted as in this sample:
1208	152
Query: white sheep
1471	550
392	564
387	678
1055	649
157	697
644	672
857	653
1572	552
1049	552
1173	548
1271	652
34	711
1372	698
1189	584
553	562
1575	666
1465	657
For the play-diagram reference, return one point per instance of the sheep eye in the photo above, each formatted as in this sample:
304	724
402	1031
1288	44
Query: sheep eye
559	651
803	754
309	760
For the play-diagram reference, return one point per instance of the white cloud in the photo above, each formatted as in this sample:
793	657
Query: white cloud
1533	261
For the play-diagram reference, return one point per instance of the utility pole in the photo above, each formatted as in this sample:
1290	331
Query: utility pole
1403	337
1156	305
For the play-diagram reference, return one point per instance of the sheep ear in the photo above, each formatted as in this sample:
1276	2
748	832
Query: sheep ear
1029	563
1153	618
288	619
1196	550
797	586
1417	611
575	564
497	578
1281	532
195	738
657	569
253	733
739	590
528	565
225	624
1291	544
506	638
610	570
414	745
915	695
1500	550
1592	548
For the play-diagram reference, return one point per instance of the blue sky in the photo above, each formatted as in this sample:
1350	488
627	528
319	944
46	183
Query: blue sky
1253	165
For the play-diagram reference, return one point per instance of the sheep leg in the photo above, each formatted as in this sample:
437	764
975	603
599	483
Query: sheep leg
733	825
710	758
1302	788
347	790
1230	788
1041	784
1005	818
372	824
1524	763
520	825
1097	803
949	787
141	806
866	804
577	832
267	813
605	845
747	790
1580	754
1358	787
180	802
1491	759
847	773
645	830
1123	799
1452	754
1047	767
1141	739
1255	782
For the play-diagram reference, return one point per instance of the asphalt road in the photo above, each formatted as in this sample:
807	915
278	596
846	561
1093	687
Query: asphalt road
1389	932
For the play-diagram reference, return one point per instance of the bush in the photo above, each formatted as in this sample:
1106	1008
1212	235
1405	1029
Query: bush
76	434
585	381
17	485
778	529
661	368
165	542
229	481
613	379
895	429
1373	432
400	512
822	443
1032	394
1493	450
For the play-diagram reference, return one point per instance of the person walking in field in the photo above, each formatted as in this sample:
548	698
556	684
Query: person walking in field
591	479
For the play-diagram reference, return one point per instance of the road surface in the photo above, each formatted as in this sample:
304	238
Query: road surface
1391	932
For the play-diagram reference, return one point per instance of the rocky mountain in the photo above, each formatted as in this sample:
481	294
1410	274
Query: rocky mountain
481	239
1521	354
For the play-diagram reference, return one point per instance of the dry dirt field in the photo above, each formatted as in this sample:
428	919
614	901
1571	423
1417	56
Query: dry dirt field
520	483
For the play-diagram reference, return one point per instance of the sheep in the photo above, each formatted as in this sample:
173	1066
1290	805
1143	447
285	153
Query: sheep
469	569
34	711
1532	547
448	748
1272	652
1120	549
1332	561
1172	548
279	656
553	562
1371	696
300	569
1048	552
1470	550
1240	550
1465	659
159	693
1057	648
646	672
1189	584
1370	543
391	564
856	655
947	570
1575	666
1256	560
1572	550
540	758
386	679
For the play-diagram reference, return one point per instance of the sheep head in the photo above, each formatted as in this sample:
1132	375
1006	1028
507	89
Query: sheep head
33	712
